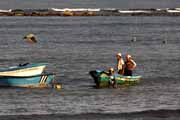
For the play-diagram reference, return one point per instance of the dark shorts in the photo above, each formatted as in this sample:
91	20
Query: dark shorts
128	72
121	72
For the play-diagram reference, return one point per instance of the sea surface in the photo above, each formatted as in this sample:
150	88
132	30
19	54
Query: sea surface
73	46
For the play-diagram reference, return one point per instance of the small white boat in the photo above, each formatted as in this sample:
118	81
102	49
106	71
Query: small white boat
24	70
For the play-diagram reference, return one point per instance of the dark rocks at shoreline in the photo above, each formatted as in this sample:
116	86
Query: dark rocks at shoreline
91	12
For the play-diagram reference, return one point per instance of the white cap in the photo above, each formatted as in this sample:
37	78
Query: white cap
128	56
118	54
112	69
30	36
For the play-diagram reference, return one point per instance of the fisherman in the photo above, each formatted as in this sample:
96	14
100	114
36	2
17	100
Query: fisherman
120	64
112	80
130	65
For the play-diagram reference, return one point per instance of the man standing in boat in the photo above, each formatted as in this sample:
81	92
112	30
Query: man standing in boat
130	65
120	64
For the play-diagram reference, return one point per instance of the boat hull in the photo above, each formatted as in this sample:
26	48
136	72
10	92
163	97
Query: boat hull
102	79
26	70
43	80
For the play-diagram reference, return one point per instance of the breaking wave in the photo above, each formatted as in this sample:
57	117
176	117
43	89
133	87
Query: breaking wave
89	12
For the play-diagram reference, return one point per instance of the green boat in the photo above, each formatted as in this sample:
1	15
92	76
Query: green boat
102	79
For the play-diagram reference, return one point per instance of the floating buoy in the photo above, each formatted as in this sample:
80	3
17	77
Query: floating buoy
58	86
133	39
30	38
165	41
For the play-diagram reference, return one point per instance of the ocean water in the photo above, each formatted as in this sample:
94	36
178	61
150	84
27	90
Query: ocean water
75	45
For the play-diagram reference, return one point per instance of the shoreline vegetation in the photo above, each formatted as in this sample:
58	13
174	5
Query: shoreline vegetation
91	12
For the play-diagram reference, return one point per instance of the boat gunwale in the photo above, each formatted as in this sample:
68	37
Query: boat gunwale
23	67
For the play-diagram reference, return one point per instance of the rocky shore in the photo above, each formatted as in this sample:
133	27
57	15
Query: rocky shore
91	12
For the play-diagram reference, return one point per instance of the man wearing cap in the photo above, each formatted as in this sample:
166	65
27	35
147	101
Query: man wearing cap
129	65
120	64
112	80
